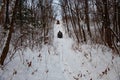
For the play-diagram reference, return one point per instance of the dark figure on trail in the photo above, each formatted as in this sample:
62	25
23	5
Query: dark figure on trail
58	22
60	35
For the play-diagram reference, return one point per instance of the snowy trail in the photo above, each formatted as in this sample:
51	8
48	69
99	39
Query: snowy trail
63	48
54	68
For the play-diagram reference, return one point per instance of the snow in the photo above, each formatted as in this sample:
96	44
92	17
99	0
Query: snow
64	60
118	43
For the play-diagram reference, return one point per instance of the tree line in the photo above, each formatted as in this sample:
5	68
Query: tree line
24	23
28	23
94	20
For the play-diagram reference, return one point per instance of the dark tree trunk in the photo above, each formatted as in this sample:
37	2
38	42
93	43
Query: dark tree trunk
2	12
6	48
106	24
115	15
115	19
118	33
87	18
78	19
66	21
21	22
7	16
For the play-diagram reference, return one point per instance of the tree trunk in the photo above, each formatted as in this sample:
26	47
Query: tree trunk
106	25
7	21
115	19
2	12
20	17
73	21
78	19
87	18
6	48
118	33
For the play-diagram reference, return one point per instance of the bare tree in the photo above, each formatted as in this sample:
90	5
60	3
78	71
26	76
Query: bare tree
11	28
98	12
87	17
2	11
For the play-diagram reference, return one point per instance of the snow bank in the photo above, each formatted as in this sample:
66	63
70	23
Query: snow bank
88	62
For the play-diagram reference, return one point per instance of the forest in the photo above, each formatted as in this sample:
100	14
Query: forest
30	24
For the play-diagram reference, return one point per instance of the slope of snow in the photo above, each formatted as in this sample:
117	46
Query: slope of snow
63	60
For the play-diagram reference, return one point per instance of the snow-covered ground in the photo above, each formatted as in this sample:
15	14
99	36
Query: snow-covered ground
64	60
